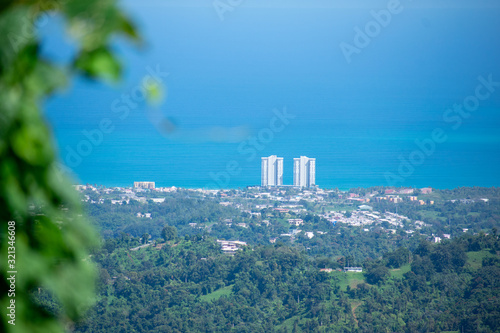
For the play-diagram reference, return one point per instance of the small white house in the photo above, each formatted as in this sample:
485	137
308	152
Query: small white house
353	269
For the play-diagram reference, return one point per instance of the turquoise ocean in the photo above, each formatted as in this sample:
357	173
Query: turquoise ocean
368	119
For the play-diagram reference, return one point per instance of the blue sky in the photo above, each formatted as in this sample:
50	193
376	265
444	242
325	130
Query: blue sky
226	76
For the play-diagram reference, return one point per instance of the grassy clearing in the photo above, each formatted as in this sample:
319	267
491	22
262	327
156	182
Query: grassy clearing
432	196
226	291
289	323
398	273
349	279
475	259
425	215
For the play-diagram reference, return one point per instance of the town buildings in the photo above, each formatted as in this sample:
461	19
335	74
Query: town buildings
146	185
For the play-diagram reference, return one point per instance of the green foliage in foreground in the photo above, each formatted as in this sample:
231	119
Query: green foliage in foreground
188	285
50	244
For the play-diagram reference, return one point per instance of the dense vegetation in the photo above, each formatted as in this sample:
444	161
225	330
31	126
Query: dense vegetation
210	218
188	285
177	211
167	273
193	215
453	210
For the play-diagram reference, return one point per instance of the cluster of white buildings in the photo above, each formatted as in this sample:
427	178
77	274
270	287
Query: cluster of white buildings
145	185
360	218
230	247
353	269
296	222
304	171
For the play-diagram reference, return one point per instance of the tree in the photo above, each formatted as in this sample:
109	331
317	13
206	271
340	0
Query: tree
397	258
169	233
51	247
448	257
377	273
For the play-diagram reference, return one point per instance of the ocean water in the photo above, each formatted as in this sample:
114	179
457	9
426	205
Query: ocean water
221	81
347	155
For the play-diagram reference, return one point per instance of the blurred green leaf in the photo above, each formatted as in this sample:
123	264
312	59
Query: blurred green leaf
16	33
99	64
129	29
30	144
52	246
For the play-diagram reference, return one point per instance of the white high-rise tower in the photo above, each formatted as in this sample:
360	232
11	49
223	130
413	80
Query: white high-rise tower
304	171
272	171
